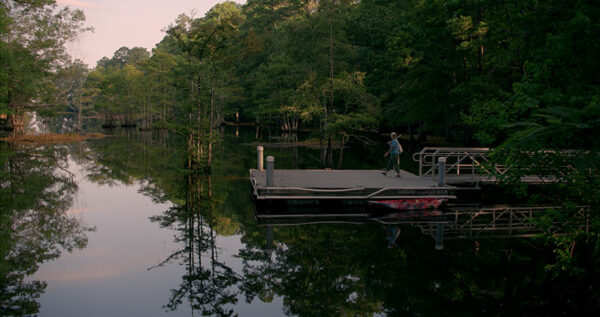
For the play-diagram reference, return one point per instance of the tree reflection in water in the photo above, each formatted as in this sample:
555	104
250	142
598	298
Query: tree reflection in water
208	284
337	269
316	270
319	270
36	190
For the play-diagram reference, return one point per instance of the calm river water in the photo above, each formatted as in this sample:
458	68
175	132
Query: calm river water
115	227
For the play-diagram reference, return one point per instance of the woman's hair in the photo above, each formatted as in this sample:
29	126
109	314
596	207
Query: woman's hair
393	135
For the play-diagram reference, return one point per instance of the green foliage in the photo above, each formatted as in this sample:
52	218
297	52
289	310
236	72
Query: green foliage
35	227
33	35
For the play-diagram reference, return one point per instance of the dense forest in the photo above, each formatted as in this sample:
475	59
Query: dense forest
520	76
479	72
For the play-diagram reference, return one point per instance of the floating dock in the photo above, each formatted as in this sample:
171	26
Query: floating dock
344	185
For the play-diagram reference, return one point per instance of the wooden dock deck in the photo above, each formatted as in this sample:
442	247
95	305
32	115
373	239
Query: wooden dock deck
344	185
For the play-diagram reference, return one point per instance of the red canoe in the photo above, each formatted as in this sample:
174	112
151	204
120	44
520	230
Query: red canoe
410	204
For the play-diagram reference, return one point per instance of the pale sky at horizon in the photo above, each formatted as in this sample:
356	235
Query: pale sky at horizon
130	23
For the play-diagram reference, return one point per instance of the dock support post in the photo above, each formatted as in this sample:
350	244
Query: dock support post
270	168
269	238
439	236
442	172
259	158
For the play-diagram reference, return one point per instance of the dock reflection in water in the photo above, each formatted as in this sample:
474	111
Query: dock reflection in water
192	244
454	222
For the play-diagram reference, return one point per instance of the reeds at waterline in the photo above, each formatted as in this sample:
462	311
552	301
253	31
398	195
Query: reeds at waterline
51	138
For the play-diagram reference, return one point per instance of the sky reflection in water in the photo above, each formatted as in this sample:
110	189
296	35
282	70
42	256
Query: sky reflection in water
167	243
114	274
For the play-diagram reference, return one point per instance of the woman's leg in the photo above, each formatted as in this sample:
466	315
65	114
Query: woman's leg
387	166
395	159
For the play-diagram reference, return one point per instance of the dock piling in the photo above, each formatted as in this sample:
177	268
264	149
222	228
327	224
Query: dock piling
269	239
442	172
259	150
439	237
270	169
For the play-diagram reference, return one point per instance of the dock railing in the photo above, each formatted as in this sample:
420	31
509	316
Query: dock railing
466	161
456	222
472	161
509	221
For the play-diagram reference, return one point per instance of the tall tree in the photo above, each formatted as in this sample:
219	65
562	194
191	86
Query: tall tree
33	35
70	83
202	41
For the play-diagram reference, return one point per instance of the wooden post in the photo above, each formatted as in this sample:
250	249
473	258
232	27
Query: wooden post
421	158
439	237
259	150
442	172
269	238
270	169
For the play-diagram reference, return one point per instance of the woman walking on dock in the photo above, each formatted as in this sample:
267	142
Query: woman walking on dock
394	154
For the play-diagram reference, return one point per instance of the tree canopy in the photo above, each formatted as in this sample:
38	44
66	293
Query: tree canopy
33	38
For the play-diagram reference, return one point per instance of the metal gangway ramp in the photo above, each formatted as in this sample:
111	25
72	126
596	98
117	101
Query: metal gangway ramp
469	165
459	160
498	221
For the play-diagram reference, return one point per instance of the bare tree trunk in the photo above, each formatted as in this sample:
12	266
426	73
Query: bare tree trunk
79	118
321	145
189	146
481	48
212	112
148	114
295	122
342	151
17	118
329	141
330	151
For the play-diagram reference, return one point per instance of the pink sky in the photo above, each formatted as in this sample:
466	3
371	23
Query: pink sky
128	23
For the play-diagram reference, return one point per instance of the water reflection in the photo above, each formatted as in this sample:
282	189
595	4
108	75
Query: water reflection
296	262
319	269
354	263
465	221
36	190
207	284
364	263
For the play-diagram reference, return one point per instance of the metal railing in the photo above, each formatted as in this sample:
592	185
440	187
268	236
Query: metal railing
502	222
467	161
456	222
506	222
459	161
